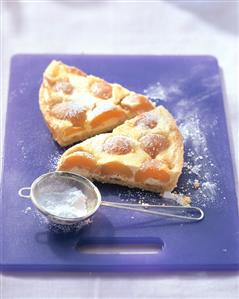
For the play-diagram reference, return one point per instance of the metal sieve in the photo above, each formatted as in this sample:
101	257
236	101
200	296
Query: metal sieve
60	180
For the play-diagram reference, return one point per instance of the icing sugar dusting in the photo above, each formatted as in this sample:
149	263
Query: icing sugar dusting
200	173
118	145
191	130
85	100
53	160
210	188
68	109
71	203
156	91
148	120
199	163
103	107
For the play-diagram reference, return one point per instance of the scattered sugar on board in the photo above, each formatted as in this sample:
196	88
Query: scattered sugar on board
145	197
23	87
22	149
27	210
200	173
199	165
156	91
202	184
181	199
53	160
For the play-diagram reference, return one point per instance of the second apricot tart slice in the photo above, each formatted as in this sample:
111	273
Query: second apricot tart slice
144	152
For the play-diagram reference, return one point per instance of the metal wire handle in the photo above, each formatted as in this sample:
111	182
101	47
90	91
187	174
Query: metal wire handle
180	212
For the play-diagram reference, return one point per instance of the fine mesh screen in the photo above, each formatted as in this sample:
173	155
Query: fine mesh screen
55	188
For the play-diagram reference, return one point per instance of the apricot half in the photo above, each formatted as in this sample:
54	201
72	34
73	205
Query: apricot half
78	159
136	102
152	169
117	145
147	120
76	71
153	144
70	110
101	89
116	168
64	86
103	115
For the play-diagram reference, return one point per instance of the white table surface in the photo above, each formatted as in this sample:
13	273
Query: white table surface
143	27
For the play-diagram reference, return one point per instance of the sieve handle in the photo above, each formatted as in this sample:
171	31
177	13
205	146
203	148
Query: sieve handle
179	212
22	192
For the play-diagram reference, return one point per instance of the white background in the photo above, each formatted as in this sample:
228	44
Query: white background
125	27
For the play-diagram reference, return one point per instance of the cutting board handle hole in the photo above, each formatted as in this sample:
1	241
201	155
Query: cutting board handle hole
120	246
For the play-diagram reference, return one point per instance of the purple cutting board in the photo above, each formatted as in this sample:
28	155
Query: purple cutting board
189	86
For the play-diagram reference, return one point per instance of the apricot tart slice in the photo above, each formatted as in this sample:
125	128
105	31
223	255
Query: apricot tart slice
76	106
144	152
